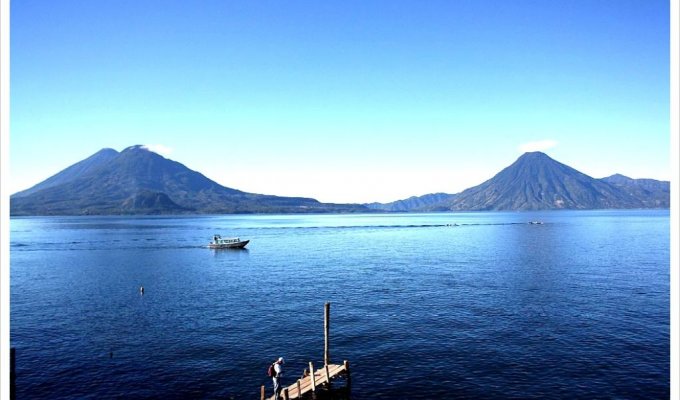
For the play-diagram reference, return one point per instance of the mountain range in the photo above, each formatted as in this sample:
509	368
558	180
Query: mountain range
139	181
537	182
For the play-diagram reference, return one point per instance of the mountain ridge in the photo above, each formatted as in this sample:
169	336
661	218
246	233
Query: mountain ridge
411	203
139	181
537	182
78	169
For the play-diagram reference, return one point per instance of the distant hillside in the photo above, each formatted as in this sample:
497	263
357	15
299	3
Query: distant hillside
537	182
652	193
412	203
138	181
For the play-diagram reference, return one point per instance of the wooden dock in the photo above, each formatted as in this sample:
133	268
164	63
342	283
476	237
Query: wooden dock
312	382
315	378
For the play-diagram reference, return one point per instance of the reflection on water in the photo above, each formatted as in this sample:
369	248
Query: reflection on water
232	254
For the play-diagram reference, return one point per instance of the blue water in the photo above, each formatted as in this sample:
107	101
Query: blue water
494	307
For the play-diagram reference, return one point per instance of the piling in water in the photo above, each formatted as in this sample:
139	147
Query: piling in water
321	378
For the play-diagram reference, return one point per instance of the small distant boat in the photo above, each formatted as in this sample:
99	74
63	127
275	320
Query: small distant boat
536	222
227	243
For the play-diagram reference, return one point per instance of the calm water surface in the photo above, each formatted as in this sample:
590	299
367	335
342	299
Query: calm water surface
494	307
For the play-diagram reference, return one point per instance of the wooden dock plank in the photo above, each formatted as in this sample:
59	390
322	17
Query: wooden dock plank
306	382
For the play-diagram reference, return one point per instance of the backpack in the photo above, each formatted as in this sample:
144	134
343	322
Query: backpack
271	372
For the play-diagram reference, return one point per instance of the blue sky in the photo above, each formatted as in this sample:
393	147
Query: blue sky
347	101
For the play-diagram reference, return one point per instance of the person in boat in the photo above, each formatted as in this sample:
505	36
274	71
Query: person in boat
278	374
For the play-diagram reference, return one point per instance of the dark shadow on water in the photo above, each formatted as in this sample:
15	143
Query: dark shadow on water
335	393
342	393
230	253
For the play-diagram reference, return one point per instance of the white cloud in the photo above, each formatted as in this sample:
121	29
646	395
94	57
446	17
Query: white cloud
540	145
158	148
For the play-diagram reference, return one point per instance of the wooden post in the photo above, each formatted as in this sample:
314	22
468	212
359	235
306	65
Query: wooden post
285	394
299	394
326	326
12	373
262	395
311	373
349	376
328	376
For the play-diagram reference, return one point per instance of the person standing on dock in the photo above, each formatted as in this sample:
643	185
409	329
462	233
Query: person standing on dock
278	374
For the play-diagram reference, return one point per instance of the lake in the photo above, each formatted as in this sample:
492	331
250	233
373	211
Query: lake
456	305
